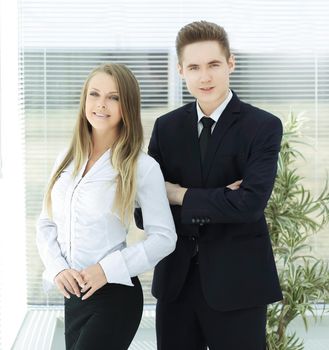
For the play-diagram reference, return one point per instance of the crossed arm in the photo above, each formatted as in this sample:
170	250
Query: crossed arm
176	193
238	202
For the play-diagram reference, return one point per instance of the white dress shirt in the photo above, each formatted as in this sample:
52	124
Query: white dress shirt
215	114
84	230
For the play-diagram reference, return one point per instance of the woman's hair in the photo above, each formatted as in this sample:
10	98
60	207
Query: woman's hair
126	147
202	31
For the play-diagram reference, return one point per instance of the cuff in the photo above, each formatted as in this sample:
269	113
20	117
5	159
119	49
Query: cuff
115	269
50	273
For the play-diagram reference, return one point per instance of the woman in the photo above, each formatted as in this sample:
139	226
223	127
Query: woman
81	232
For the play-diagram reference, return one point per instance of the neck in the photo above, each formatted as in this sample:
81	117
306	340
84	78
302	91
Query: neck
208	108
102	141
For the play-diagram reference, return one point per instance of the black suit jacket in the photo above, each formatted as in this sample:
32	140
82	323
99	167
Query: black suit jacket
235	255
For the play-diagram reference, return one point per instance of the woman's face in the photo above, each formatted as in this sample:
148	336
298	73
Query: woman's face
103	110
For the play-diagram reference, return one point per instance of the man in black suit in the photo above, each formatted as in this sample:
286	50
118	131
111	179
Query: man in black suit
219	159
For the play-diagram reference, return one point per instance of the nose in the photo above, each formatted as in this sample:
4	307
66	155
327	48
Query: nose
101	104
205	76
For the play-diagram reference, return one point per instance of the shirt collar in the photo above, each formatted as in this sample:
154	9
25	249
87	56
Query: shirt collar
218	111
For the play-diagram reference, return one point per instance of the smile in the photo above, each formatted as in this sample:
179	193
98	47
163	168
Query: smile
207	89
101	115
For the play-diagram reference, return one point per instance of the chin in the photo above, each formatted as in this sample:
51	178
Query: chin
210	99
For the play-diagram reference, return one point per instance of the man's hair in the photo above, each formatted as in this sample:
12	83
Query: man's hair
202	31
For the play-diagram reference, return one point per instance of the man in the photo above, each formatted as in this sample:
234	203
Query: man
219	159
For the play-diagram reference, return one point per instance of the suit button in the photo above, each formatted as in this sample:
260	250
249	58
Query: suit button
197	220
207	220
193	221
203	220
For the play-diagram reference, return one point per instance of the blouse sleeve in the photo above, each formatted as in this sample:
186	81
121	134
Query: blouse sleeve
48	247
159	227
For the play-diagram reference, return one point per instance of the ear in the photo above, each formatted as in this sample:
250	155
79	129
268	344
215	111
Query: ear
231	63
180	70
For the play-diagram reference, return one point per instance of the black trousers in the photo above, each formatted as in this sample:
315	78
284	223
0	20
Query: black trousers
189	323
108	320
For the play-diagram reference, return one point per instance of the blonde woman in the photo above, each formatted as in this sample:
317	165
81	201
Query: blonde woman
81	233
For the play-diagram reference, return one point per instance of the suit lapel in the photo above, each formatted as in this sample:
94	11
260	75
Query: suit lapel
226	120
192	142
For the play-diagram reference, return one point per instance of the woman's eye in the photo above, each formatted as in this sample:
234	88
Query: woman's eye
93	93
114	98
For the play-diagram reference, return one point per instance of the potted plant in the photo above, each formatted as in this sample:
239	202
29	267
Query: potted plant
293	215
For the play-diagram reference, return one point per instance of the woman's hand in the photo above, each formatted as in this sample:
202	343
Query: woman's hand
69	280
94	278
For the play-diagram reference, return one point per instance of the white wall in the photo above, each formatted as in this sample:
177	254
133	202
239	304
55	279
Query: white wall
12	225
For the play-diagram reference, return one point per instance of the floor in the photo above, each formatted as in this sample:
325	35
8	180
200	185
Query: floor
317	337
43	329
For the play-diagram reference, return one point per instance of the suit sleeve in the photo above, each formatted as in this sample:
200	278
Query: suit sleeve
247	204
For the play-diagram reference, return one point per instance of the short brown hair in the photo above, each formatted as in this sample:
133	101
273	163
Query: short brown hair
202	31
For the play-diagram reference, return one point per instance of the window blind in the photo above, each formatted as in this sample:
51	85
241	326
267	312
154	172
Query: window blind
282	63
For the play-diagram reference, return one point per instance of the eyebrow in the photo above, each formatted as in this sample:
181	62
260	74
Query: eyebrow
211	62
111	92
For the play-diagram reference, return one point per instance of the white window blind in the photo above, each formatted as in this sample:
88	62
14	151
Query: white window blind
282	56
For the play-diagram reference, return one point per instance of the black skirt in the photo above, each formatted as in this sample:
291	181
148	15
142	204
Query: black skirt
108	320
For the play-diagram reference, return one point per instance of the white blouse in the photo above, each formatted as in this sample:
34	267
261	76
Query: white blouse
84	230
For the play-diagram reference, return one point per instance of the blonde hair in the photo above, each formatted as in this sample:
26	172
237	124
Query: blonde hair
125	150
202	31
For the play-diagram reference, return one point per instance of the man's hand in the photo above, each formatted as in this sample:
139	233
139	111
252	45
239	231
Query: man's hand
235	185
94	278
175	193
69	280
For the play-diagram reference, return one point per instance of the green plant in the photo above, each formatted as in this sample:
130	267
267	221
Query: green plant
293	215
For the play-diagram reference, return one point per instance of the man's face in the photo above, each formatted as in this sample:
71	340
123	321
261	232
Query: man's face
206	71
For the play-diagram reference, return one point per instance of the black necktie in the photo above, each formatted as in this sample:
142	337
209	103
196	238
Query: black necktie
205	136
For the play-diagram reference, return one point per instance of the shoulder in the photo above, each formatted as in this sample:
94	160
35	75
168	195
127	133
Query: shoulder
176	113
148	171
258	116
145	163
168	124
59	159
60	156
